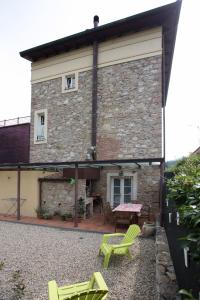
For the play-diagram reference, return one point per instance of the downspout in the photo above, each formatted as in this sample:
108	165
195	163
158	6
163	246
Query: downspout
162	165
94	88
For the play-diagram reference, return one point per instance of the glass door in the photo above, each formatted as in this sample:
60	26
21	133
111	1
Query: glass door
121	190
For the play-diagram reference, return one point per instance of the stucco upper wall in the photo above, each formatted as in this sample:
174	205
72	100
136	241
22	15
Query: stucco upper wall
122	49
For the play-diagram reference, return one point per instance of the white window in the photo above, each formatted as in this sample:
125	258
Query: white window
70	82
121	189
40	126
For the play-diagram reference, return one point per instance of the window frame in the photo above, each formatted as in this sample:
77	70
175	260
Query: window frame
64	78
38	113
110	177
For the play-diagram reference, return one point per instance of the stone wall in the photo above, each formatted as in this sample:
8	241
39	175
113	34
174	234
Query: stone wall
129	110
166	284
148	185
60	196
128	117
69	120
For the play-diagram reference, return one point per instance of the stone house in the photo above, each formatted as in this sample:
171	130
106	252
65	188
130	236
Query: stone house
98	97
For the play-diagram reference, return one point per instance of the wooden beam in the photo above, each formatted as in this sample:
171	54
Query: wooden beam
76	196
18	192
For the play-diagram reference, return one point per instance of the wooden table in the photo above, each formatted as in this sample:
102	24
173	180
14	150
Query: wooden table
127	211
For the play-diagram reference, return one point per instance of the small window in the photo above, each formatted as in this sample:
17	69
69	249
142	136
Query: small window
40	126
69	83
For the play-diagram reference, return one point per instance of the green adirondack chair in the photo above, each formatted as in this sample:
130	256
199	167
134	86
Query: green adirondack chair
119	249
95	289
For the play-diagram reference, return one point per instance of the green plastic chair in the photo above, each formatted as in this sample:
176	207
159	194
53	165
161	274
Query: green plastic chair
95	289
122	248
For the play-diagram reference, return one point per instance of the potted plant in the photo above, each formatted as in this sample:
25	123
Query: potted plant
43	213
81	207
149	227
67	216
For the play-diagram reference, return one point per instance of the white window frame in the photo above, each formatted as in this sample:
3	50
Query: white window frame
36	114
116	175
64	76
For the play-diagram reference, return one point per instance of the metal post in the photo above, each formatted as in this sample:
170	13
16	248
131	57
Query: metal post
76	196
161	192
18	192
40	193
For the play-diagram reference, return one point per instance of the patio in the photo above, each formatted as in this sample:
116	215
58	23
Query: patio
68	256
96	223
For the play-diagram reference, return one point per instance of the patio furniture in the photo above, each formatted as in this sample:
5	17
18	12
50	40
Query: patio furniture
122	248
127	213
94	289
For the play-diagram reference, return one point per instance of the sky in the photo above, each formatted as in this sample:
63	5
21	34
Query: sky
28	23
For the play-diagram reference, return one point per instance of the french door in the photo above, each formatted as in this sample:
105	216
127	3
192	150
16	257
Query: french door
121	190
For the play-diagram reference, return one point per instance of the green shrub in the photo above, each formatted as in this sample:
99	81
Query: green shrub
184	190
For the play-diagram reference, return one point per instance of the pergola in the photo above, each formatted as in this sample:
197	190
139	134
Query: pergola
76	165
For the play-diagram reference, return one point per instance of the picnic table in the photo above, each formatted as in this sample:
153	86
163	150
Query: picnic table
127	213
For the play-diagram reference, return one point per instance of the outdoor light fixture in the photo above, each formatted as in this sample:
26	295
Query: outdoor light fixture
121	173
91	153
88	156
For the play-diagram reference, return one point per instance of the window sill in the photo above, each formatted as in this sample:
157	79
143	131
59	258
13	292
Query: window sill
40	142
69	90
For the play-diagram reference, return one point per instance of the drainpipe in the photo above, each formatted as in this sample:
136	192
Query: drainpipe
94	87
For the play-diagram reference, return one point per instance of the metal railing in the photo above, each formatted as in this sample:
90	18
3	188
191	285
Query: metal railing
15	121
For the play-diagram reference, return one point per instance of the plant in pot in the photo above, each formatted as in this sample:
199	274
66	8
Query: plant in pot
43	213
67	216
71	181
81	207
149	227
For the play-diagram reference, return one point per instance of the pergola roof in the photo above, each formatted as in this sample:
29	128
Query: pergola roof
81	164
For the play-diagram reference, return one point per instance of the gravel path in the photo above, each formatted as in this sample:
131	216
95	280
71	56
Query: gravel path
40	254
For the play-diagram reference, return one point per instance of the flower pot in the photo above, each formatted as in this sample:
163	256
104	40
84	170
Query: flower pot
148	229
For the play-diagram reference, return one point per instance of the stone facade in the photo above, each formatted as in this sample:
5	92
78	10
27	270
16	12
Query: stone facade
60	196
129	110
69	120
129	114
129	125
147	185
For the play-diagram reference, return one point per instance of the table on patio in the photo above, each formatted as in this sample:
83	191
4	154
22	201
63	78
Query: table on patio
127	213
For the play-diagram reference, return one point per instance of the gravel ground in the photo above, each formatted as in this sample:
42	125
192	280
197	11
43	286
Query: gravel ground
40	254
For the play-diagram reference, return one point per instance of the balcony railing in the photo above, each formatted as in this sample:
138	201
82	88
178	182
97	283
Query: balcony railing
15	121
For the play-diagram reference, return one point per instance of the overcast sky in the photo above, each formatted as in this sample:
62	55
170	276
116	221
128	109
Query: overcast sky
28	23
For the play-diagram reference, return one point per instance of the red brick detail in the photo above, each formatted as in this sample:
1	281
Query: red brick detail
108	148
